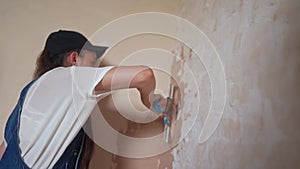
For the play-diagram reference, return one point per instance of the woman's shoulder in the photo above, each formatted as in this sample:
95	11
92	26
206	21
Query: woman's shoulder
56	75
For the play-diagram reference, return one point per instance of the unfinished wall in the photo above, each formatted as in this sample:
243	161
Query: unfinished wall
259	45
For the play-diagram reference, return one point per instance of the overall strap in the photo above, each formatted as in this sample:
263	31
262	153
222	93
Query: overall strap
72	156
12	156
13	122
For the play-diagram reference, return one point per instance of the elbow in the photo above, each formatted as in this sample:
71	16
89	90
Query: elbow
146	77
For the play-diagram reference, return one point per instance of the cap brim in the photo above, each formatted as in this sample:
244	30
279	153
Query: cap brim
100	50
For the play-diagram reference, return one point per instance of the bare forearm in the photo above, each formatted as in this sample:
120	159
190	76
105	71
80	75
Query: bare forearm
122	77
146	91
2	149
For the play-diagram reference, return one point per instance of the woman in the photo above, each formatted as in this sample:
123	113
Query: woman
44	130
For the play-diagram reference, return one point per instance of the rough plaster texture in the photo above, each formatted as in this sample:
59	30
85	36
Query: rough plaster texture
259	45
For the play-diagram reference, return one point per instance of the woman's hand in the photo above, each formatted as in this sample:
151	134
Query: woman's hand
158	103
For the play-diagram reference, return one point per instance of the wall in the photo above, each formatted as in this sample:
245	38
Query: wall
130	120
258	43
259	46
25	26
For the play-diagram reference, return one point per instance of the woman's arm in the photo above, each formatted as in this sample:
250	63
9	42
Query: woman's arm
2	149
123	77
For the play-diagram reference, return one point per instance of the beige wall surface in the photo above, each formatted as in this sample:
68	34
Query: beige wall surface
259	46
25	26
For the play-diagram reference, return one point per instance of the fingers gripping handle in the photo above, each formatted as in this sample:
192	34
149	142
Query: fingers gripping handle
166	112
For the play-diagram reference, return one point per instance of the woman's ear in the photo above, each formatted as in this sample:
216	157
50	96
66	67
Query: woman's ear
72	59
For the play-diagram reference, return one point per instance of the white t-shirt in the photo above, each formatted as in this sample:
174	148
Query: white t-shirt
56	107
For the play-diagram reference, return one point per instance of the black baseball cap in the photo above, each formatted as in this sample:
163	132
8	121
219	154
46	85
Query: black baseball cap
64	41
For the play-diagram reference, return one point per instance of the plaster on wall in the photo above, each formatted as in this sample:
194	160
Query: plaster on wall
258	42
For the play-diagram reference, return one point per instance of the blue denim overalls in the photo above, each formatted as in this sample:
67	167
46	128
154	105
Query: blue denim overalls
12	159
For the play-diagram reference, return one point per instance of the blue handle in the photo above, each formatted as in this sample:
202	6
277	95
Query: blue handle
156	107
165	122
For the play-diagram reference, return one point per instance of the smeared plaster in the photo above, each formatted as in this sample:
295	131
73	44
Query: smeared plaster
258	42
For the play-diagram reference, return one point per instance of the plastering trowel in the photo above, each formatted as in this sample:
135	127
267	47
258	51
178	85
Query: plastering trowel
166	113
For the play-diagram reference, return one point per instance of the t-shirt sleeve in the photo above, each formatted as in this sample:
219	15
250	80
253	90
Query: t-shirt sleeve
85	79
